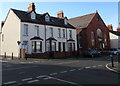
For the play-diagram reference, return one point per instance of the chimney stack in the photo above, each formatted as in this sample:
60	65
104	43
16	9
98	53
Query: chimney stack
60	14
110	27
118	29
31	7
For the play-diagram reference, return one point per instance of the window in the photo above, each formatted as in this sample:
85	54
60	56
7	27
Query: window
70	34
53	46
37	31
59	33
99	33
36	46
63	46
25	33
59	46
63	33
92	39
69	46
47	18
51	32
65	21
33	16
105	39
2	37
48	46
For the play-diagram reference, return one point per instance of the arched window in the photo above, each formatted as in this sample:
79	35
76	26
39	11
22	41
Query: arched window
92	39
99	33
105	39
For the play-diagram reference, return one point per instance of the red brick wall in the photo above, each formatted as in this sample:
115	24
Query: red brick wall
93	26
55	55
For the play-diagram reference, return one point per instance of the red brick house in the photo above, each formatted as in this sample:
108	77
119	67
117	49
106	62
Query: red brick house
92	33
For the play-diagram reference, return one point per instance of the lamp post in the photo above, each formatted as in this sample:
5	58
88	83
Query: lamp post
18	42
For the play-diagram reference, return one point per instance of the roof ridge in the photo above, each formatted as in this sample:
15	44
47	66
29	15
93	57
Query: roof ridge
83	15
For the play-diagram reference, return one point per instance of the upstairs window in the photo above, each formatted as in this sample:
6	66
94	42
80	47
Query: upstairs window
65	21
51	32
70	34
25	31
47	18
59	33
63	33
33	16
37	31
92	39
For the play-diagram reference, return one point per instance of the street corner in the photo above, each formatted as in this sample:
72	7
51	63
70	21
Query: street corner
114	67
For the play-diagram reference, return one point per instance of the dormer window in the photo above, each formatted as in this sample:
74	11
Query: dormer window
33	15
65	21
47	18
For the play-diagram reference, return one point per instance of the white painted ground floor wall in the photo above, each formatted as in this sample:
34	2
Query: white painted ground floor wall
114	41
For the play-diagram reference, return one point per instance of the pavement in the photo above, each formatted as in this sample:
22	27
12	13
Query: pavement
116	67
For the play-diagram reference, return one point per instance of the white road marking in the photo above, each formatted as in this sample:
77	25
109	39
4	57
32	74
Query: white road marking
10	82
63	72
47	78
33	81
93	66
26	79
3	61
100	65
30	62
80	68
87	67
72	69
41	76
18	68
22	62
64	81
68	62
53	74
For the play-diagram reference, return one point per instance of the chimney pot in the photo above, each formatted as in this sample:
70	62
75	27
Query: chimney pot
60	14
110	27
118	29
31	7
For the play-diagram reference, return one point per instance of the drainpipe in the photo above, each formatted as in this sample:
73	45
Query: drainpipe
66	40
45	37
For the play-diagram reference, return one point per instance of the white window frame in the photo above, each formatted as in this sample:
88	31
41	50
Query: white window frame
59	33
51	32
37	31
63	33
47	18
33	15
70	34
25	30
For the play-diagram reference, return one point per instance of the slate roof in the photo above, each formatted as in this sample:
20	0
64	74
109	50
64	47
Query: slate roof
115	32
40	19
81	21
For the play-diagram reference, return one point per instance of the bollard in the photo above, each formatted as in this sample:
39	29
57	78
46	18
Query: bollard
12	55
92	56
5	55
25	58
111	56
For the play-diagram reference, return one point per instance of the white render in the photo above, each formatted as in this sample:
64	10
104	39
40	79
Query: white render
13	32
115	41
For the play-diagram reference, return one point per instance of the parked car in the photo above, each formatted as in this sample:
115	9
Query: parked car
114	51
92	52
